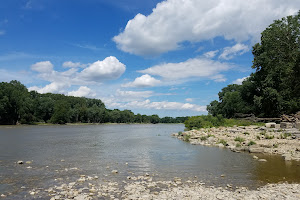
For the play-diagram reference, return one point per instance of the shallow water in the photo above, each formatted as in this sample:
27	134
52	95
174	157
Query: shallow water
99	149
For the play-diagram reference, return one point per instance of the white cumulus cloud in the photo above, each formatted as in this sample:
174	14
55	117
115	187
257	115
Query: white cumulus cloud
132	95
42	67
82	91
109	68
143	81
239	81
175	21
157	105
96	73
197	67
54	87
230	52
70	64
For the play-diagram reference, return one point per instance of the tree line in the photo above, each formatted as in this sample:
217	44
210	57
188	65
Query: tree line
274	88
18	105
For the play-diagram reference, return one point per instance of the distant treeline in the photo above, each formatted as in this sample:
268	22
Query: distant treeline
274	88
18	105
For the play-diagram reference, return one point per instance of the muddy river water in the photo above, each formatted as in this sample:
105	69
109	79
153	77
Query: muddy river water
64	152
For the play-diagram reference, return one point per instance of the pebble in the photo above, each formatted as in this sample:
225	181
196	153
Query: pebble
114	171
20	162
255	140
262	160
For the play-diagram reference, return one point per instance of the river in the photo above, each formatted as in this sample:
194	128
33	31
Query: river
66	151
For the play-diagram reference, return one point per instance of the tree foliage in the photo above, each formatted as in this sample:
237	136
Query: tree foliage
274	88
17	105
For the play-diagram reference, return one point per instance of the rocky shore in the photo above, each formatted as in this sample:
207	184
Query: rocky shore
269	139
143	187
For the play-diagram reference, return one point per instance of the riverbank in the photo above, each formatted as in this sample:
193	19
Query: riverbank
143	187
253	139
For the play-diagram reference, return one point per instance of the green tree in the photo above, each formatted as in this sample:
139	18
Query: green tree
276	60
154	119
275	87
61	113
14	102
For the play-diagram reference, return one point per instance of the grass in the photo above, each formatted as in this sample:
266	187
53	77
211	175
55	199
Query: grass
263	133
251	143
269	137
238	145
239	139
222	142
180	133
203	138
285	135
186	138
258	137
246	133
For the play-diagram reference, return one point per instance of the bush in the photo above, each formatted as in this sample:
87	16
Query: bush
204	121
239	139
238	145
209	121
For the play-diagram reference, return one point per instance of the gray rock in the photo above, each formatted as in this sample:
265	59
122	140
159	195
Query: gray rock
256	150
195	137
262	160
286	125
297	125
270	125
211	140
82	197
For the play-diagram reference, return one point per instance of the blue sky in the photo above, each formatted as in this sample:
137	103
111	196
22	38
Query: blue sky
153	57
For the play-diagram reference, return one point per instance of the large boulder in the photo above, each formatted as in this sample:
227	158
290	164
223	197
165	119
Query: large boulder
271	125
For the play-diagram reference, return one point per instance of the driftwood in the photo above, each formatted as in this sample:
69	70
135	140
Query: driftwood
291	118
284	118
